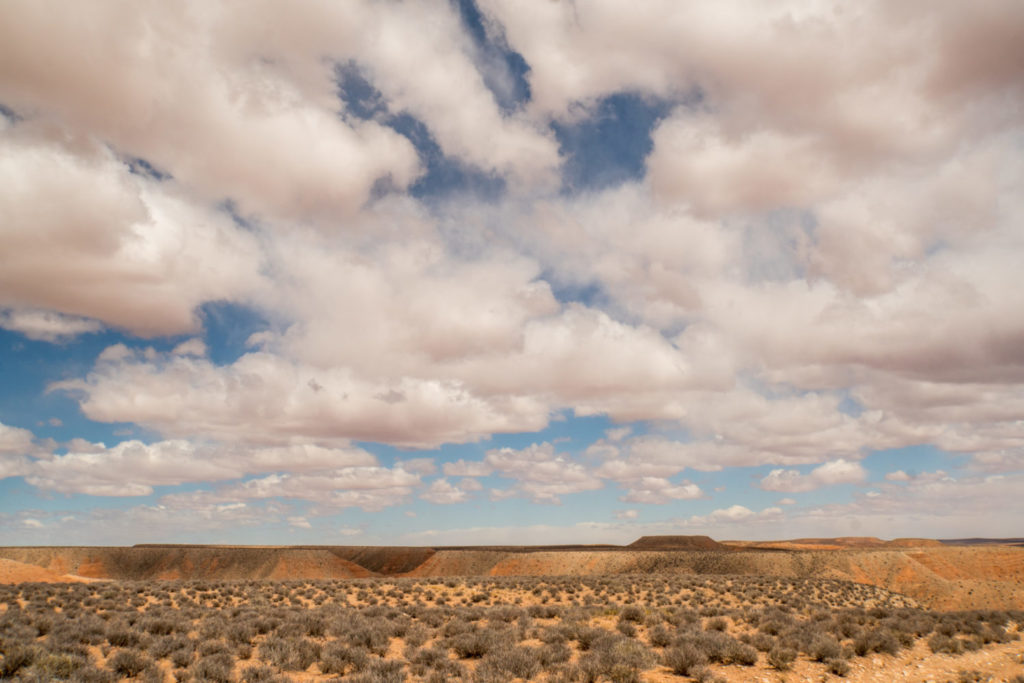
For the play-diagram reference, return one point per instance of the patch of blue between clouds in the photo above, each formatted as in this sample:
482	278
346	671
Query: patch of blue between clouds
227	327
914	460
848	405
8	113
569	434
610	146
141	167
444	175
28	367
590	294
502	68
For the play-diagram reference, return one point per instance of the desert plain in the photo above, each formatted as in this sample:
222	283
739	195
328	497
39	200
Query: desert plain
667	608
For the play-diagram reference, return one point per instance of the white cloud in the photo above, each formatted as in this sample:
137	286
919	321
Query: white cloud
501	494
728	518
201	523
616	434
820	259
931	505
627	514
299	522
369	488
464	468
263	398
733	513
786	501
657	490
117	248
46	325
190	347
441	492
542	475
829	474
212	80
15	440
133	468
421	466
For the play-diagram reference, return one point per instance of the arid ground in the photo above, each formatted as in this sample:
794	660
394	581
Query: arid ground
660	609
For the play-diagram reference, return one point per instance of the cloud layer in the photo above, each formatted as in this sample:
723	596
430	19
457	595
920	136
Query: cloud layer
812	257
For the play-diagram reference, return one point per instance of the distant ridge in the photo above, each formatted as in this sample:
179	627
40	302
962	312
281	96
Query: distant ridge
982	541
913	543
676	543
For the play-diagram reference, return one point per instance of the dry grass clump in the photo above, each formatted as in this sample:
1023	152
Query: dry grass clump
569	629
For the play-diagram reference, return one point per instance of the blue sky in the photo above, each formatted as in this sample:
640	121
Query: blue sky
480	272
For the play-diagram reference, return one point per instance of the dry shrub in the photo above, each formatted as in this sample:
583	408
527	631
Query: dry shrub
129	662
338	658
781	658
684	658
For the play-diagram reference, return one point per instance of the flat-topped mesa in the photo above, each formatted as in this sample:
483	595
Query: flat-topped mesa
913	543
676	543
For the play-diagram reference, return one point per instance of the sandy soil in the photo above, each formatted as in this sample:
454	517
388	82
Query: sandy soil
19	572
915	665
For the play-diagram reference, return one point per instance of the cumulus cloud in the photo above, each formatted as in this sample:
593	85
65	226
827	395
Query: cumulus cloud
464	468
737	521
190	347
443	493
542	474
369	488
46	325
422	466
299	522
143	523
117	248
831	473
209	79
818	257
264	398
658	490
15	440
934	504
133	468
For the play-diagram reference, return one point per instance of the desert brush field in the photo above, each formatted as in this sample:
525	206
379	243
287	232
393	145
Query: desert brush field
616	615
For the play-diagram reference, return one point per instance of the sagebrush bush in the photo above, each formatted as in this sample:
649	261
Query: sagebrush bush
217	668
473	644
506	662
129	662
339	658
347	627
17	657
382	671
839	667
293	654
781	658
824	647
876	640
684	658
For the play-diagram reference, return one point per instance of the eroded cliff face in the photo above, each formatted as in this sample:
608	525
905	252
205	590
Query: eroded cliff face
990	577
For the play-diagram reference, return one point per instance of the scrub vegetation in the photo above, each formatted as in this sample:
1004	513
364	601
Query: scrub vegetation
574	629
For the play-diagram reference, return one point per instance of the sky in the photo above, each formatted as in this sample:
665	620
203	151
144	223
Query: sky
505	272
